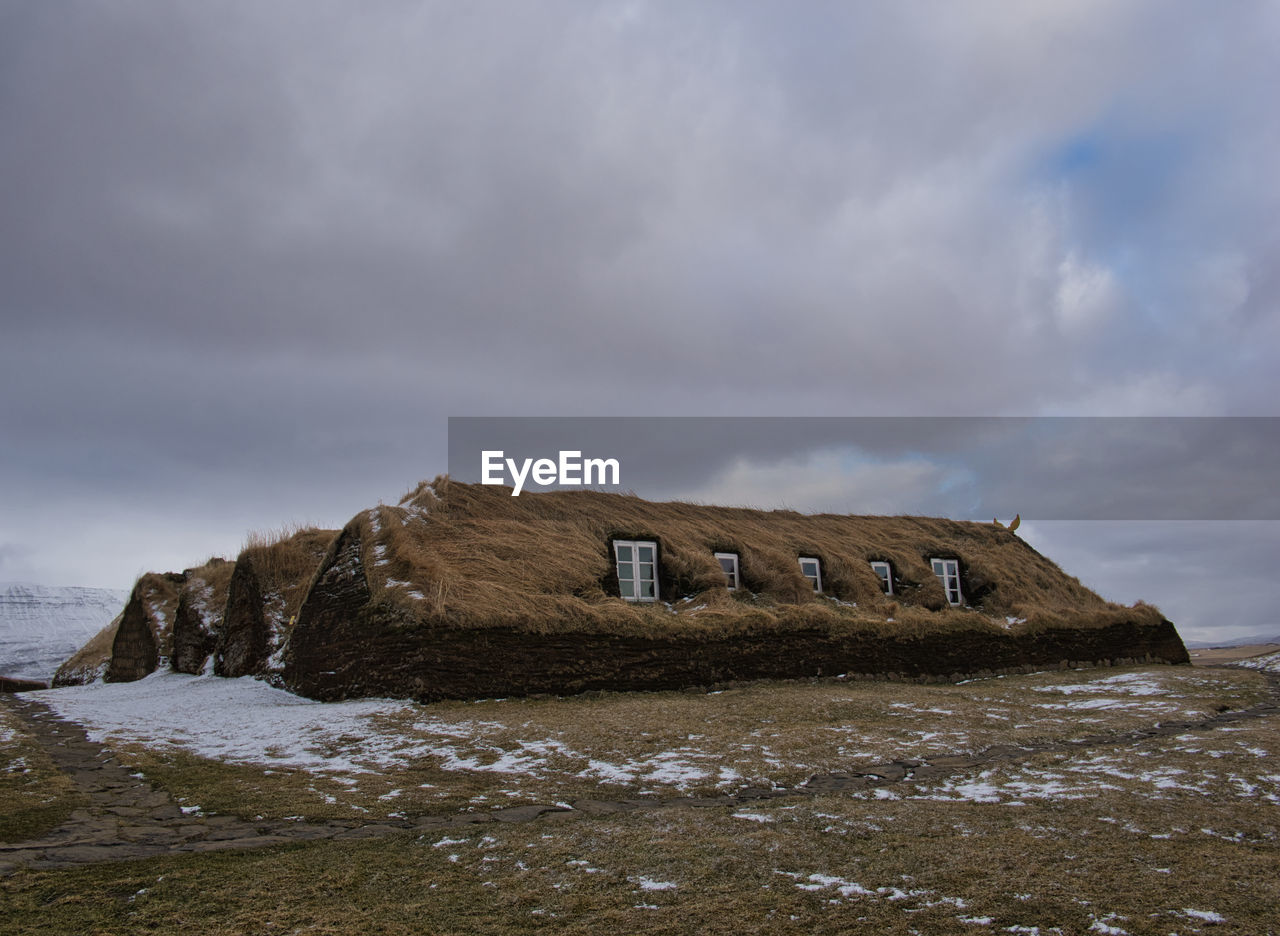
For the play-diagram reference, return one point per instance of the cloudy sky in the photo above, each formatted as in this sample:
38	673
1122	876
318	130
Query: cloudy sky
253	255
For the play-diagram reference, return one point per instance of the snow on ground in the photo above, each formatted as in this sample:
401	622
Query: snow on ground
920	898
1088	777
1120	692
235	720
1158	707
1134	684
1104	926
1269	663
246	721
1208	916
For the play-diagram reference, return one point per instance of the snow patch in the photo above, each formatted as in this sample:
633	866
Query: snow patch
1208	916
242	721
1138	684
1104	926
1270	663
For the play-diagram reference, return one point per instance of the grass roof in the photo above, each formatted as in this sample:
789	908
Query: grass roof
198	617
465	555
90	661
284	561
264	594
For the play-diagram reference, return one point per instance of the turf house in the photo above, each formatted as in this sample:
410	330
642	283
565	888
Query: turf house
462	591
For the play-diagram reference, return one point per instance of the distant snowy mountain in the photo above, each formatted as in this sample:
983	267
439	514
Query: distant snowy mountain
42	625
1248	641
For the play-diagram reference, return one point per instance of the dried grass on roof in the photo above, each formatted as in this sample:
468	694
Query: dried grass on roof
90	661
462	555
284	561
159	593
208	584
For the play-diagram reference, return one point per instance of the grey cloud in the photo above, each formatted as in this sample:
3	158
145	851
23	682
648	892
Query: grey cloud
1208	578
280	243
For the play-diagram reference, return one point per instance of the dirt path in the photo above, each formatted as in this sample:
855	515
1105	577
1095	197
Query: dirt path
130	818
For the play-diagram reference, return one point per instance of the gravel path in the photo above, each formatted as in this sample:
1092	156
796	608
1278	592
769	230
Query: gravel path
128	817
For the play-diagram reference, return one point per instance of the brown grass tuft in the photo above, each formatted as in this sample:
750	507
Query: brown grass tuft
285	560
466	555
90	661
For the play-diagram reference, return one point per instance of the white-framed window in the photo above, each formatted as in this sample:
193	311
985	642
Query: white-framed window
948	573
885	572
729	565
637	569
811	569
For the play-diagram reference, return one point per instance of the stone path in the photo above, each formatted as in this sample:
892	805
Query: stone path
127	817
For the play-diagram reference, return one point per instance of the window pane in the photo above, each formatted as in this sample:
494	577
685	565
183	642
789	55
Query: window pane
627	588
626	571
624	552
644	553
646	571
729	566
646	590
882	569
809	568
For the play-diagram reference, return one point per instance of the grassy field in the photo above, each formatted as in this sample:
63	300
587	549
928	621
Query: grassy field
34	795
372	760
1176	834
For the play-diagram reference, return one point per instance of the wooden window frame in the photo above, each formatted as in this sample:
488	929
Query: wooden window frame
816	578
886	578
732	579
635	579
946	569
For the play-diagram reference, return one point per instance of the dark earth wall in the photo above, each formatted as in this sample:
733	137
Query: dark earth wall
10	684
192	640
344	647
134	652
198	619
241	648
461	664
141	639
